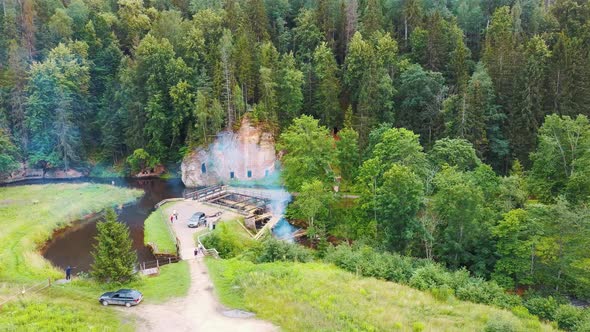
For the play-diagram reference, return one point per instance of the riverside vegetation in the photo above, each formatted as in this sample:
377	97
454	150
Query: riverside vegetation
28	217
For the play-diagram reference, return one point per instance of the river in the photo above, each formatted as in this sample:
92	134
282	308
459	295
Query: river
73	246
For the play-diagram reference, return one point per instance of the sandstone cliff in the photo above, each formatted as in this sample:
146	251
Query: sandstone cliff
248	154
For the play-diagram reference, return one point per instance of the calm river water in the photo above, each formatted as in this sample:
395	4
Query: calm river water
73	247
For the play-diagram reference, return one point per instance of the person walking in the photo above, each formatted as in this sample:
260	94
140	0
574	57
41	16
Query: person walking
68	273
196	251
172	219
175	214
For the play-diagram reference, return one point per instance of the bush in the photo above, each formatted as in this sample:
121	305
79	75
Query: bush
544	307
430	277
443	294
227	241
568	317
501	324
273	250
487	292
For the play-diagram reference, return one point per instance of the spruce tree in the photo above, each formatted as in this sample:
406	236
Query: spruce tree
114	257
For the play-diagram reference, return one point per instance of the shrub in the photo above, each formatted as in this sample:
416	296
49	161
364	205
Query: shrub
429	277
568	317
501	324
418	327
227	241
544	307
273	250
487	292
443	294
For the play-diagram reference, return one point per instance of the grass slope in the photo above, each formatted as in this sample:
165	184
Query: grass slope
157	231
28	216
321	297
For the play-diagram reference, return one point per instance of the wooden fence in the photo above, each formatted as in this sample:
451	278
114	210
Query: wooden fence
27	290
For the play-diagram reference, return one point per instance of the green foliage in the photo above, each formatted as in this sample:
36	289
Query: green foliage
454	152
229	239
8	154
140	160
420	96
309	153
348	153
273	250
114	258
560	163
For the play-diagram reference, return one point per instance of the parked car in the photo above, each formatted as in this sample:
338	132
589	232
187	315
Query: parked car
196	220
126	297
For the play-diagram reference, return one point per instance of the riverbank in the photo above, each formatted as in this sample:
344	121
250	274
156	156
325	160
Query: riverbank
30	214
28	217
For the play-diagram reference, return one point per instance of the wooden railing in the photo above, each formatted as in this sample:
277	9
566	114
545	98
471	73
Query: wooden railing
202	193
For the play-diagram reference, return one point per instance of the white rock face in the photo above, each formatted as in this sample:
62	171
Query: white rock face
248	154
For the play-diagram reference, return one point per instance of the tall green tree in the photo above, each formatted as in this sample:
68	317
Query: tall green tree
561	161
420	96
55	105
9	155
114	257
398	201
309	153
327	105
348	153
289	94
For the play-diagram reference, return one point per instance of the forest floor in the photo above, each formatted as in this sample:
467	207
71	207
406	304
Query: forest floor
200	309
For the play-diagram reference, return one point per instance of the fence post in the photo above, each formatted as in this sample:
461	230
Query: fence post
157	263
169	260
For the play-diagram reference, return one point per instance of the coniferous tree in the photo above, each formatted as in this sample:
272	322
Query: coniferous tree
114	257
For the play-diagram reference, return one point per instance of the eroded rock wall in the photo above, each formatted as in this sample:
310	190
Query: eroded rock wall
248	154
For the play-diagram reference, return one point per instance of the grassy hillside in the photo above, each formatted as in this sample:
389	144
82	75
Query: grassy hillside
321	297
156	231
28	216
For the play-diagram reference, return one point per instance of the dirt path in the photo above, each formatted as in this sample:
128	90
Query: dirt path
199	310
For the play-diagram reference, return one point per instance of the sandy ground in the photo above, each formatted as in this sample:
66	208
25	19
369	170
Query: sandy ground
199	310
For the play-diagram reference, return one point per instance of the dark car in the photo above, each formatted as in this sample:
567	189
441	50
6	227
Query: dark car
126	297
196	220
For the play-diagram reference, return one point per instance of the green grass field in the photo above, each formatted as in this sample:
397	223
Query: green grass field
321	297
28	216
156	231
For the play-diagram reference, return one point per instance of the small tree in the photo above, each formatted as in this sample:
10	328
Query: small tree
114	257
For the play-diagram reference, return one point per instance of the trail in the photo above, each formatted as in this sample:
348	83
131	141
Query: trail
199	310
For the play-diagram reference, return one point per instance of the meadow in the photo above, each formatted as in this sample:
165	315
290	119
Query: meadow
28	217
322	297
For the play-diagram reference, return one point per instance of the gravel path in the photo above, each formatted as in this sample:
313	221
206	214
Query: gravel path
199	310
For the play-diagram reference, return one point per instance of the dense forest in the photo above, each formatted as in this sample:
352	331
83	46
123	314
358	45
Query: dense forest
461	124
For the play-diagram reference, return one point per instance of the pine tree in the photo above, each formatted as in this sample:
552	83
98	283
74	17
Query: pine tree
114	257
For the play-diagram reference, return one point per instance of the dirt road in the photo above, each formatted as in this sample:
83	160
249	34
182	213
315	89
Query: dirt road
199	310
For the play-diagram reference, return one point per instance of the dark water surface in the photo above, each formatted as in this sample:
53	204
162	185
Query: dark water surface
74	245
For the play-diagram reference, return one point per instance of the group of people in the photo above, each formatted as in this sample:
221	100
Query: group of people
199	249
173	216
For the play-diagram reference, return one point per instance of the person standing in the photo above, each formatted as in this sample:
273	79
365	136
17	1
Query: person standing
68	273
175	214
172	219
